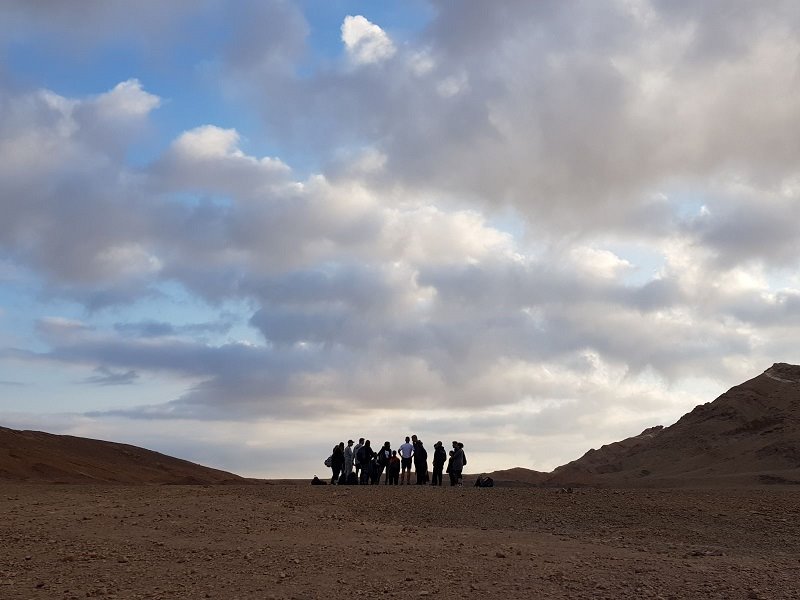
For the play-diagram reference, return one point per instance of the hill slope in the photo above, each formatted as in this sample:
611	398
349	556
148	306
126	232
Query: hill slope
43	457
750	434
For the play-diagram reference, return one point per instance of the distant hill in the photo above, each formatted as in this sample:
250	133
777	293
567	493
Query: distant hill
516	477
35	456
749	435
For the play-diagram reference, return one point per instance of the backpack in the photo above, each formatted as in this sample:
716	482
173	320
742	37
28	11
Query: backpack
329	461
352	479
361	455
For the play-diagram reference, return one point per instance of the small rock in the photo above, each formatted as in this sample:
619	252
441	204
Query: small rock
500	555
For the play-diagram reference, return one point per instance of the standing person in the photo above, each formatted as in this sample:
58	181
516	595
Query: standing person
439	458
393	470
421	463
365	456
348	459
459	460
384	454
356	462
337	462
453	479
406	452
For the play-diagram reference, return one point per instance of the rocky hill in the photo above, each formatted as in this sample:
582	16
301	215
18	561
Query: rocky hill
35	456
748	435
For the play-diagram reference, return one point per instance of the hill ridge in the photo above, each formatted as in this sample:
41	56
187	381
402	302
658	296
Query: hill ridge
748	435
37	456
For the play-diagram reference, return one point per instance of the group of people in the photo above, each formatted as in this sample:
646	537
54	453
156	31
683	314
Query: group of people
360	464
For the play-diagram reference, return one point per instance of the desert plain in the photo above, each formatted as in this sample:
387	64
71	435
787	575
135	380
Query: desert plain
298	541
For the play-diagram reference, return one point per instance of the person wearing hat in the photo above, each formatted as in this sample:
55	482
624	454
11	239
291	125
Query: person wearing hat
439	458
348	459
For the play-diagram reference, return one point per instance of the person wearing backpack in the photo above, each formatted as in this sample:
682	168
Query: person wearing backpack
337	462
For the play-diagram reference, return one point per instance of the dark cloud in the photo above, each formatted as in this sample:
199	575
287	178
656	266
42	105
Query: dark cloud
751	229
106	376
154	329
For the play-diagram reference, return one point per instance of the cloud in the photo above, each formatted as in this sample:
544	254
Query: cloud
574	114
153	329
365	42
548	218
208	159
105	376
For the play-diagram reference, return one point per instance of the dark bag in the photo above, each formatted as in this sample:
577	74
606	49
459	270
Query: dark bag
352	479
329	461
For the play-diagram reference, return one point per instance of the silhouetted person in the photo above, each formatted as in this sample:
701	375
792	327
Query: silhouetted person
458	462
453	478
337	462
366	455
356	462
421	462
439	458
393	470
384	454
406	452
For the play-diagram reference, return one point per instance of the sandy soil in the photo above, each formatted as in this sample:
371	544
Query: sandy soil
271	541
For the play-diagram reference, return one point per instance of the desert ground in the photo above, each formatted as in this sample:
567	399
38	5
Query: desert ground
293	541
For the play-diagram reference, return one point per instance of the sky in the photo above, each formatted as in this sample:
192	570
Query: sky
238	233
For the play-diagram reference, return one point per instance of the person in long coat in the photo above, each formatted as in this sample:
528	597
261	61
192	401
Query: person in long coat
421	462
439	458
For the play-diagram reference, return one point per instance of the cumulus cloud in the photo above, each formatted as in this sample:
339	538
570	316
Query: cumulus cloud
208	159
365	42
644	151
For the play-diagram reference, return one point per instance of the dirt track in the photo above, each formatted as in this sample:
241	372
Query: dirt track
375	542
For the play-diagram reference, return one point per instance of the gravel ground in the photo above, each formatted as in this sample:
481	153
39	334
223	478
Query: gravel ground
284	541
